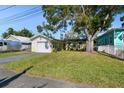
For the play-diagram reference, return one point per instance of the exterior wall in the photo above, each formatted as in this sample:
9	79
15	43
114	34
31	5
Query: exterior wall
35	47
114	47
106	39
119	39
110	49
25	46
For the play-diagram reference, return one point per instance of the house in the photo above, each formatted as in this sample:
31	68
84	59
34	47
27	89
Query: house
25	41
42	44
111	42
113	37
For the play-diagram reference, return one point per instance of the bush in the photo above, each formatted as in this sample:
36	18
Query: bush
77	46
67	47
83	47
71	46
54	50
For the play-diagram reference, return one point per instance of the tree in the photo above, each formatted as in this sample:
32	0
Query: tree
25	32
10	31
4	35
122	19
74	35
42	29
90	19
39	28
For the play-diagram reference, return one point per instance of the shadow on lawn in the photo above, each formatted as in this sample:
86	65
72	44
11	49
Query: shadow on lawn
4	82
109	55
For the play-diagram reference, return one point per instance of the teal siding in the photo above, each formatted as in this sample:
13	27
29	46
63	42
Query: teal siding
114	37
119	38
106	39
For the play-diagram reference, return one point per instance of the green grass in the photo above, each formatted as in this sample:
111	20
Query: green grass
79	67
7	54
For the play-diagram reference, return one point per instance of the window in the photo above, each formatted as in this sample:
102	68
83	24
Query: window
5	43
1	43
46	45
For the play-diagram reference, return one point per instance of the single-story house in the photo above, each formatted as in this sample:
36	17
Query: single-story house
40	43
25	41
44	44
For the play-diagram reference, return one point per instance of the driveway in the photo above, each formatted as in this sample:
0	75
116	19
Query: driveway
9	79
14	58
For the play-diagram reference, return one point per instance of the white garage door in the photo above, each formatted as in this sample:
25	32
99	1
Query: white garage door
41	47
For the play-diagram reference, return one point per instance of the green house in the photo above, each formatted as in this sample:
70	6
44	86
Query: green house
114	37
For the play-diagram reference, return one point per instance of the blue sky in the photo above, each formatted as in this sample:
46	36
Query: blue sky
31	22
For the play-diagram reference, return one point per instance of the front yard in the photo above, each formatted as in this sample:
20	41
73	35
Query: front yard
79	67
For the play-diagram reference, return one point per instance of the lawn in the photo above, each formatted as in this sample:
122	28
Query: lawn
7	54
78	67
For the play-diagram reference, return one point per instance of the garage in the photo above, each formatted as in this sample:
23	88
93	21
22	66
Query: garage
41	44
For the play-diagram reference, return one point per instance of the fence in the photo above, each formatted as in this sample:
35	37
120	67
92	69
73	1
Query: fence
116	51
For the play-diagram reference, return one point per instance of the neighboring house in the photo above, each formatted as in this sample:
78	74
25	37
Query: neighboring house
41	44
25	41
111	42
113	37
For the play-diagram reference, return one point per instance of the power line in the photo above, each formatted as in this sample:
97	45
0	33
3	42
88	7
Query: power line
25	17
21	15
7	8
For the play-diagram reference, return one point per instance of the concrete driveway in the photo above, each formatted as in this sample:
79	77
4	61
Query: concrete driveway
14	58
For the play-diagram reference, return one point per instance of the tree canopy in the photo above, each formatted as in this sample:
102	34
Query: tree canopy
42	29
122	18
24	32
90	18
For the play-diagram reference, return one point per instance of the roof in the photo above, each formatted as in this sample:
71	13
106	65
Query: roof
20	38
36	36
112	29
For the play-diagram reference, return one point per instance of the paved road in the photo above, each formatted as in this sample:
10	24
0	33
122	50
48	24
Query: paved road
14	58
10	79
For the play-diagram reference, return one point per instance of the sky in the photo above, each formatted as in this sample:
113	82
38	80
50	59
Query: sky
32	21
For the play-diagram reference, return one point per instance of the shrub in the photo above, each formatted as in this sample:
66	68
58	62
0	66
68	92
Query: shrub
83	47
67	47
54	50
77	46
71	46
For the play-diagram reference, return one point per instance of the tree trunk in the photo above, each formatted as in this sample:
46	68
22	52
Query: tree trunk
89	45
